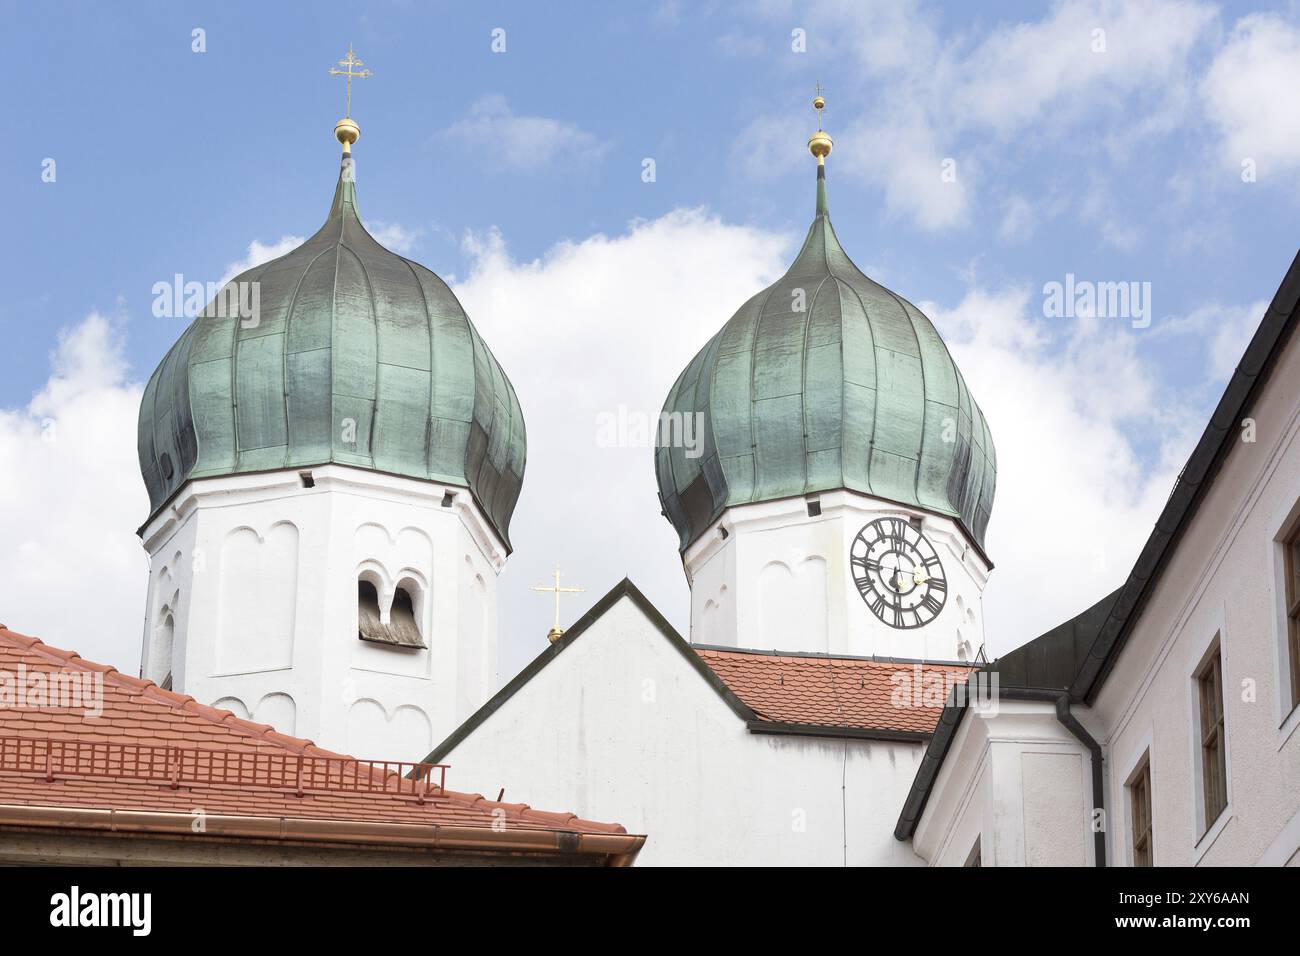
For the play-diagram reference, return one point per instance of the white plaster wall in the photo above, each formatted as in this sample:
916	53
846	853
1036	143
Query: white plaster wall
261	574
1019	782
1224	579
620	727
781	580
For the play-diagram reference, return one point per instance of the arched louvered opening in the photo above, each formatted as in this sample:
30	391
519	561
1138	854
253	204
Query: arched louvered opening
369	626
402	622
166	642
396	625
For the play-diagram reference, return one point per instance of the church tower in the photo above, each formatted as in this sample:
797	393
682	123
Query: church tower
331	477
846	478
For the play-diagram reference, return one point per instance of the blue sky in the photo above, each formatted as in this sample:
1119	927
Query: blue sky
518	175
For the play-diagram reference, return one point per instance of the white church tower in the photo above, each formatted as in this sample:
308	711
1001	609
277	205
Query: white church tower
331	471
839	502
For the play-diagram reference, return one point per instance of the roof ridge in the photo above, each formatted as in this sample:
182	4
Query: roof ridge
703	650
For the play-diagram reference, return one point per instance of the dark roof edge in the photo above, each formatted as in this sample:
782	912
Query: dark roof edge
624	588
928	769
760	652
781	728
1193	483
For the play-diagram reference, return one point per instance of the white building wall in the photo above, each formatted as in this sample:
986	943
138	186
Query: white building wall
1224	580
259	575
1016	782
1222	584
780	579
621	727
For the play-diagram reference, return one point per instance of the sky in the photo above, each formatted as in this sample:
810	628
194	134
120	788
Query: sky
982	154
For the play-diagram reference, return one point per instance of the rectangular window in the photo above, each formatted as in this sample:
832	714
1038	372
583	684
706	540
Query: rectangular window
1214	755
1140	802
1291	603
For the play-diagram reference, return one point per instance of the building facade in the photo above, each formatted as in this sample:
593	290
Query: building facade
1159	727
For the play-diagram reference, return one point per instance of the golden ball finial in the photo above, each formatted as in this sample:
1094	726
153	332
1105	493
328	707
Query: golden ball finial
554	634
347	132
820	143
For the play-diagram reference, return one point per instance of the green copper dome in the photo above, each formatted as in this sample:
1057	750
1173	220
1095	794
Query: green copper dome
826	380
357	357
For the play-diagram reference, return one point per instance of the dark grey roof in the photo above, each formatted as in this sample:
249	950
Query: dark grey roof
1075	657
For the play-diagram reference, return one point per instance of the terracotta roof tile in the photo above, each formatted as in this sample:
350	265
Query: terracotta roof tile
137	715
831	691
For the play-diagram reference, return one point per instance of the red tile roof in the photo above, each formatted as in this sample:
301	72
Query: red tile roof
121	759
842	692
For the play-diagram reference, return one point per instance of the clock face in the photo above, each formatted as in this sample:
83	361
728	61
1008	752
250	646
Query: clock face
898	573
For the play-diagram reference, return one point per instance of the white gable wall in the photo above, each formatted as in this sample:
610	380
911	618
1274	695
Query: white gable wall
621	727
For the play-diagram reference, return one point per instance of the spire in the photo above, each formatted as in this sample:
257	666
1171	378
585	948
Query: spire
819	144
346	131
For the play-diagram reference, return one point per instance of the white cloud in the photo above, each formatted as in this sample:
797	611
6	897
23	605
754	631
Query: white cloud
610	321
1019	220
258	253
1077	494
921	180
394	236
1028	73
1098	208
739	45
921	96
522	142
1249	94
72	571
595	324
1223	332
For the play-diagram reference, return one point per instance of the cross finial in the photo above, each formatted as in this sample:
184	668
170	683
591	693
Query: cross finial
819	104
350	73
556	631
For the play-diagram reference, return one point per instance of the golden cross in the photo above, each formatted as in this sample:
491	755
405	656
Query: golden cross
350	62
557	590
819	104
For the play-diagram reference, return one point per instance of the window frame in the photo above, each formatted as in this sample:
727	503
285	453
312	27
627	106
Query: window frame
1290	594
1286	626
1141	809
1211	730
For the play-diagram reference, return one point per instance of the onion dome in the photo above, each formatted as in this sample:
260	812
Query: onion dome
825	380
356	356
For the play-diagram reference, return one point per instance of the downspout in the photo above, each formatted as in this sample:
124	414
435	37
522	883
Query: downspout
1071	723
1080	733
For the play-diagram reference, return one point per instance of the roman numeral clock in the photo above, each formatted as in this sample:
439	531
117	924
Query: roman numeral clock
898	573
